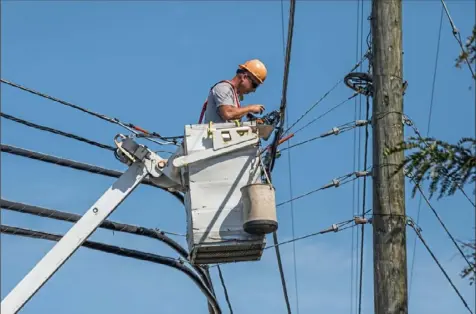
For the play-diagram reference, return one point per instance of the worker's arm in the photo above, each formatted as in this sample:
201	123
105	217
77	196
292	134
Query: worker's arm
226	107
228	112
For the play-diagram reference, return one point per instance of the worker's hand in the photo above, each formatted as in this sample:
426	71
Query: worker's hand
256	108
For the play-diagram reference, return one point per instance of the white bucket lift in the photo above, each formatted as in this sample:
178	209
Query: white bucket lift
218	168
218	161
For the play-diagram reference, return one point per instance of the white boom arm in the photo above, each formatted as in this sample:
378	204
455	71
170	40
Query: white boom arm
147	163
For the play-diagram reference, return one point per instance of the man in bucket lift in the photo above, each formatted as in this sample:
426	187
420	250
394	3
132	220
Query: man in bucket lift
223	103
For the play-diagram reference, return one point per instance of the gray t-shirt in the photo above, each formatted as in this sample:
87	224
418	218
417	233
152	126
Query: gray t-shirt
221	94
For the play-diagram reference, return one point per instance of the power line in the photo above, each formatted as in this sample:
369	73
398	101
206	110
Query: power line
442	224
108	225
78	166
411	223
112	249
364	196
282	111
427	133
55	131
324	96
334	228
327	112
129	126
334	183
410	123
224	289
354	165
334	131
291	194
457	36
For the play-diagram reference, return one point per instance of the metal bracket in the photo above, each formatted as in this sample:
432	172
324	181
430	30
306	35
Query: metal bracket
210	153
233	136
224	141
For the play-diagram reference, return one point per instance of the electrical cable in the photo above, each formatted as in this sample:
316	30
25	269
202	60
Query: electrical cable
108	225
78	166
290	181
55	131
334	131
282	108
112	249
225	291
129	126
359	156
427	133
442	224
364	194
282	111
457	36
354	168
417	230
410	123
327	112
334	183
325	95
333	228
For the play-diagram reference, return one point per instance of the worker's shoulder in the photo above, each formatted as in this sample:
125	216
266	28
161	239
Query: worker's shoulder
222	89
222	86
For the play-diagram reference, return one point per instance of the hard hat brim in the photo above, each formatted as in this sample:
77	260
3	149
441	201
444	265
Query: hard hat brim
244	67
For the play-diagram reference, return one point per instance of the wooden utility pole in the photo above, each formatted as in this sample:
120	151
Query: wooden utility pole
389	222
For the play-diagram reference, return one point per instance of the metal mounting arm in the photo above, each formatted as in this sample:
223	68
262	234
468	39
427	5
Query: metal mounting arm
144	163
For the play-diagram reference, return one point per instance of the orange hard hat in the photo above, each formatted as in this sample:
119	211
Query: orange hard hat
256	68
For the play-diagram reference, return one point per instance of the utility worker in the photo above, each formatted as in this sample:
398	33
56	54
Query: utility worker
223	103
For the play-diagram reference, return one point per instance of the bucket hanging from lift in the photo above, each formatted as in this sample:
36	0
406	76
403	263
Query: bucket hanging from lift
259	208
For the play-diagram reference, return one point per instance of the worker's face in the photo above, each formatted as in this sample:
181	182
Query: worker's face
249	84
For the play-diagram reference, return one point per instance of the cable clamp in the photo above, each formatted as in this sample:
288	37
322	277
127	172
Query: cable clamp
362	122
360	220
359	174
406	120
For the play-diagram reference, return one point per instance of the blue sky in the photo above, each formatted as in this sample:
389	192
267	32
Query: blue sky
151	63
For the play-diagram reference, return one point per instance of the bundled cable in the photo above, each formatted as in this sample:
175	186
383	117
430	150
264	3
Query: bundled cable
112	249
139	131
107	224
55	131
77	165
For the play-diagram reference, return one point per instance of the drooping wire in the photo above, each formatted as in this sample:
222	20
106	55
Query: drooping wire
367	118
364	197
334	131
116	250
291	194
417	230
427	133
410	123
282	111
354	168
334	228
325	113
129	126
427	201
108	225
457	36
55	131
77	165
334	183
282	108
324	96
225	290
